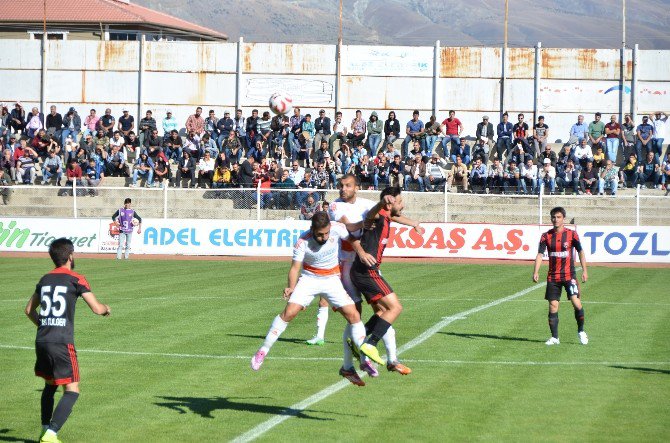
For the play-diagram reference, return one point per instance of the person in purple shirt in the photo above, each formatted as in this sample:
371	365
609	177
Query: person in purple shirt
123	218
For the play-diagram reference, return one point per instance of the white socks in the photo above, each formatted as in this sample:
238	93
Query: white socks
389	343
358	333
276	329
321	322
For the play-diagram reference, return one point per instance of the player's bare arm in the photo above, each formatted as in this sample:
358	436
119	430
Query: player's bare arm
582	262
367	259
536	270
31	308
402	220
97	307
293	275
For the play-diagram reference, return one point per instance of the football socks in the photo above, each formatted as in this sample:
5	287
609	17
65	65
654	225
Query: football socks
553	324
321	321
48	403
63	410
579	316
276	329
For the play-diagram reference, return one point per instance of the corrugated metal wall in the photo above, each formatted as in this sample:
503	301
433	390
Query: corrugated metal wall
183	75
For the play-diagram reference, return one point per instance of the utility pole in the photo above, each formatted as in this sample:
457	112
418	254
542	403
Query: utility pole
504	63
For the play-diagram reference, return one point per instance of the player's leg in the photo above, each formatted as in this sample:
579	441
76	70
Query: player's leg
553	295
47	405
389	339
119	249
574	294
129	239
66	373
62	412
321	322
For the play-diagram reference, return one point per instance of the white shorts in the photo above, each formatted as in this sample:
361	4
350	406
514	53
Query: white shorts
345	268
330	287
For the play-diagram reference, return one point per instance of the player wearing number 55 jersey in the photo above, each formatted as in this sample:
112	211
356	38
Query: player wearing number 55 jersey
56	295
559	244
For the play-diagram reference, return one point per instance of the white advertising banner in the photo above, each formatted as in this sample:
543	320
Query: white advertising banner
604	244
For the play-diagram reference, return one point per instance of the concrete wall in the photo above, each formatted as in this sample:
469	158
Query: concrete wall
183	75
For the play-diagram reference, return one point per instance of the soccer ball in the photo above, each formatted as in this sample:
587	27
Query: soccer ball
280	103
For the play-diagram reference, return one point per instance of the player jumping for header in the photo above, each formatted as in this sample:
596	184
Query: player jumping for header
559	242
56	295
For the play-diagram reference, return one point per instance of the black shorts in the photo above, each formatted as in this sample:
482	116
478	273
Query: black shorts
370	283
57	363
554	289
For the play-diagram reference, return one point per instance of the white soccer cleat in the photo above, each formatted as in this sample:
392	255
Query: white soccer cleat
552	341
583	338
257	360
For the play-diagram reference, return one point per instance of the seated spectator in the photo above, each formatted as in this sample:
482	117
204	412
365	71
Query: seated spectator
106	123
192	145
415	131
562	160
235	175
598	158
365	172
415	172
296	172
359	153
147	127
628	136
152	143
551	155
391	129
208	145
8	165
520	131
481	151
628	171
322	177
224	126
484	136
205	170
144	167
495	177
54	124
609	178
162	173
101	138
25	167
307	187
88	143
116	163
596	136
397	171
375	129
417	148
172	145
92	176
81	157
381	169
540	135
343	159
546	177
578	131
505	131
459	174
529	177
126	123
233	148
263	139
73	173
649	171
462	150
309	208
583	153
322	154
34	122
281	195
665	172
358	127
339	132
222	176
436	175
569	178
519	154
331	169
71	126
512	178
478	175
11	143
588	179
53	165
452	128
117	140
280	129
221	160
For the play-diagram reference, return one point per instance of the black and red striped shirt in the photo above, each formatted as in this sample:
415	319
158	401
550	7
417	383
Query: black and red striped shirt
374	240
58	291
559	245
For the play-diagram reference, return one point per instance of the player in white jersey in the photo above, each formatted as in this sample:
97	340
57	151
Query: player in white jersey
317	254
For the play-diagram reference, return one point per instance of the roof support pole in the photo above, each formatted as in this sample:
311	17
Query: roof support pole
43	78
140	78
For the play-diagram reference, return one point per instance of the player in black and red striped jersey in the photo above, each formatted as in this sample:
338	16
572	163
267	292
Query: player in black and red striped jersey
56	295
365	273
559	243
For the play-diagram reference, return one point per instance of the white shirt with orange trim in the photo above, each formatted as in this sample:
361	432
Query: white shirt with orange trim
320	260
354	212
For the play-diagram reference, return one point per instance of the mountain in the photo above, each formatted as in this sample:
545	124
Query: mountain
564	23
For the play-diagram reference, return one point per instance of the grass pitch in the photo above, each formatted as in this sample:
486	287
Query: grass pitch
172	363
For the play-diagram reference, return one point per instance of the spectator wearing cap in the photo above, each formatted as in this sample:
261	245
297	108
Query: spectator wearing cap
374	129
224	126
107	122
12	143
90	123
391	129
597	132
144	167
546	177
169	123
414	130
195	123
339	132
126	123
322	128
540	135
17	118
432	133
645	134
147	127
485	133
71	126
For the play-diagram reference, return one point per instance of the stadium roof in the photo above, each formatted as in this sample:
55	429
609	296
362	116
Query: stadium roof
108	12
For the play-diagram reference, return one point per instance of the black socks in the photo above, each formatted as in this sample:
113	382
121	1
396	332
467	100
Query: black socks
63	410
48	403
579	316
553	324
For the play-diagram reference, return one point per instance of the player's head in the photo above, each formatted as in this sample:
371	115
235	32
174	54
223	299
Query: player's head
348	185
127	202
398	204
557	216
320	227
61	251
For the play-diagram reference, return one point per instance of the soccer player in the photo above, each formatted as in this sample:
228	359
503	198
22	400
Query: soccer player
56	295
316	253
365	273
124	218
559	242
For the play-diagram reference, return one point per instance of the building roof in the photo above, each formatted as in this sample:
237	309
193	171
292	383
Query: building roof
95	12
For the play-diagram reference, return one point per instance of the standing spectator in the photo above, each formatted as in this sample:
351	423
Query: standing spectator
649	171
588	180
107	122
645	133
246	176
240	127
116	163
547	177
391	129
529	177
126	123
613	135
397	172
512	178
205	171
481	151
34	122
583	153
295	127
144	167
53	165
609	178
211	125
381	169
432	133
540	135
224	126
375	129
358	128
339	132
597	132
169	123
416	173
186	169
505	130
161	172
309	208
54	123
461	149
520	130
125	218
25	167
484	134
569	178
147	127
628	136
578	131
452	128
173	145
343	159
307	138
17	118
71	126
322	128
436	175
92	176
478	175
495	177
90	123
659	131
459	174
280	131
414	130
628	172
8	164
195	123
251	128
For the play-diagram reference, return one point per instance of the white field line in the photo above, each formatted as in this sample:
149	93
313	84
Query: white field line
317	359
